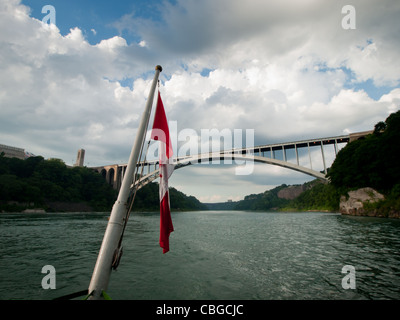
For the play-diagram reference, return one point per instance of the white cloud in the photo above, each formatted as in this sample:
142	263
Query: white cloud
232	34
112	44
54	94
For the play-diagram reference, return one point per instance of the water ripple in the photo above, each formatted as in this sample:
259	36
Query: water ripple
214	255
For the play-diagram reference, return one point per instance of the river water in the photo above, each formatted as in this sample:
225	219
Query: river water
214	255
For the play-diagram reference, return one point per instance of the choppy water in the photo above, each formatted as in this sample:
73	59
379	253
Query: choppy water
214	255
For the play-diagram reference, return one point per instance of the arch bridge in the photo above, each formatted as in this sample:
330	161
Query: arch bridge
273	154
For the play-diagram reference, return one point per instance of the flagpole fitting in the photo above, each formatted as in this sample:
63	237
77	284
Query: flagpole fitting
158	67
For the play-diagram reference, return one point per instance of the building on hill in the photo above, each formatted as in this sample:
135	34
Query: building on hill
80	158
12	152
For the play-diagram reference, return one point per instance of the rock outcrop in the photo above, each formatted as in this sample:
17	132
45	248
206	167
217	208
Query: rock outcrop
354	204
291	192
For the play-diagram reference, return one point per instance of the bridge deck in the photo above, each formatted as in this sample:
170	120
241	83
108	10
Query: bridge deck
114	173
297	144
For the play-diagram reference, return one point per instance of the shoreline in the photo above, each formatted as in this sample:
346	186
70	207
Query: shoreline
61	207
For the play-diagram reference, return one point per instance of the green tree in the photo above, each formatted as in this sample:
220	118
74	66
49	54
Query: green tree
370	162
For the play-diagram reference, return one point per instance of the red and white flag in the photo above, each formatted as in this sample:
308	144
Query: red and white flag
160	132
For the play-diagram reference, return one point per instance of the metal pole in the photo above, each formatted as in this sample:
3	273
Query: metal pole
309	154
102	269
336	147
323	155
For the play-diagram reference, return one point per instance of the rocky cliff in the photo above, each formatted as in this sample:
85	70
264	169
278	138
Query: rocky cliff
291	192
355	203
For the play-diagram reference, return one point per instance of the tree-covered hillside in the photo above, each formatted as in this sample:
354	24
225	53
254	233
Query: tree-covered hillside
316	196
50	184
267	200
370	162
148	199
35	182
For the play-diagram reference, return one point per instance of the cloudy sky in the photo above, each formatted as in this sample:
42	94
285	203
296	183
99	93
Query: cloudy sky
286	69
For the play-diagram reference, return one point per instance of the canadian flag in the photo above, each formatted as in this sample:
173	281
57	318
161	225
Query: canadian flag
160	132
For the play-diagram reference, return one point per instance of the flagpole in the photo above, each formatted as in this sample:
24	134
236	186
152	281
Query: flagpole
102	270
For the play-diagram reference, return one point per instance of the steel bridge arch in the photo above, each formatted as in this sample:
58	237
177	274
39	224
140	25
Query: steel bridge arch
241	154
212	157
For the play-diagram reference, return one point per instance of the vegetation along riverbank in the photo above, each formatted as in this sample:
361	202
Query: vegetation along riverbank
361	169
49	185
363	180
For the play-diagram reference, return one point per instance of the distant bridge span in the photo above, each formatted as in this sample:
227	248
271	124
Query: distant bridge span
262	154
